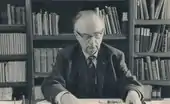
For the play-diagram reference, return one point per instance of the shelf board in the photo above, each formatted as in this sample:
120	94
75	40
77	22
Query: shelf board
12	84
161	54
12	28
156	82
77	1
13	57
41	74
152	22
71	37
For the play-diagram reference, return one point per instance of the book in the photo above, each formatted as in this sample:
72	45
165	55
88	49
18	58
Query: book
151	68
147	40
13	15
152	9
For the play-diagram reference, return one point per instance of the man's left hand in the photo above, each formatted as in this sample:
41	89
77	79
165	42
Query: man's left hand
133	98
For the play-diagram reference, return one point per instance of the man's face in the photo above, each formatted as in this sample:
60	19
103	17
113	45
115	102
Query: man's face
90	35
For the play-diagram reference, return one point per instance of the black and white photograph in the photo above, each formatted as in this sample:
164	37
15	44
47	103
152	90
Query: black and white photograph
85	52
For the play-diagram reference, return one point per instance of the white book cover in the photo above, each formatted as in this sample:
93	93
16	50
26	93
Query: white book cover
49	59
37	60
43	61
50	24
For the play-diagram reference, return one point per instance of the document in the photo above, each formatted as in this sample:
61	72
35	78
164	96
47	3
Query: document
11	102
111	101
43	102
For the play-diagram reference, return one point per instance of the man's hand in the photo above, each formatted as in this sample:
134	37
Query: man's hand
69	99
133	98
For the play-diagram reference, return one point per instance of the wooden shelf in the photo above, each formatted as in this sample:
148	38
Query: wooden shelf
77	1
41	74
156	82
71	37
162	54
152	22
12	28
13	57
12	84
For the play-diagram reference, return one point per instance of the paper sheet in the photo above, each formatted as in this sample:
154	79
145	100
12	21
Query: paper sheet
10	102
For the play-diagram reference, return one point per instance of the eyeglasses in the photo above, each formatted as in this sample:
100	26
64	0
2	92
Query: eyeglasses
96	35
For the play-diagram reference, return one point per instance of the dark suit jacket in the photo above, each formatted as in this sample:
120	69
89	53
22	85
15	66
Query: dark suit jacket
69	73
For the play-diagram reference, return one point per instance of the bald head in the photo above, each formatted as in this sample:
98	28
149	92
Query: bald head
88	22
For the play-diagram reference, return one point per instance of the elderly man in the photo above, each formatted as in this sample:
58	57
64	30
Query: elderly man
90	69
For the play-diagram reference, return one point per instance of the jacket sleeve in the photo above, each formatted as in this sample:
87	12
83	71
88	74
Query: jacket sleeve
55	83
126	80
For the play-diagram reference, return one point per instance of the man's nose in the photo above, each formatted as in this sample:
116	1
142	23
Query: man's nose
92	41
93	38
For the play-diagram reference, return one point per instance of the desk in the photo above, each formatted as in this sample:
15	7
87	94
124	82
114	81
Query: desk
96	101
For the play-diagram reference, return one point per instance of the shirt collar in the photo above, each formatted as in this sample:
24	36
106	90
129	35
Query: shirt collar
87	55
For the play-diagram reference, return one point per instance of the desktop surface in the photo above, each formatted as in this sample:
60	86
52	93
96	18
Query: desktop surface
112	101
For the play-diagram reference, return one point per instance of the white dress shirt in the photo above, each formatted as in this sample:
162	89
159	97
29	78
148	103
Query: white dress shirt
87	56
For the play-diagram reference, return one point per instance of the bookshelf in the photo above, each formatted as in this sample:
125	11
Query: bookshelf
12	28
29	51
156	82
15	51
13	84
144	53
72	37
152	22
64	35
160	54
13	58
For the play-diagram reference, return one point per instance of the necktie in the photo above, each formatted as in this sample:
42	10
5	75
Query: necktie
91	62
93	74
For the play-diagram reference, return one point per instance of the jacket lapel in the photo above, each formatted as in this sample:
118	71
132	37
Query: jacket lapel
102	62
104	57
82	79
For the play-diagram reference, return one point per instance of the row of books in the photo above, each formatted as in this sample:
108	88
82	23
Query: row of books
147	41
152	9
151	92
38	93
45	23
13	15
6	93
8	96
156	93
14	71
148	68
44	59
111	18
12	43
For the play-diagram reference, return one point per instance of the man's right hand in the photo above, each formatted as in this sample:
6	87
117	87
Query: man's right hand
69	99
